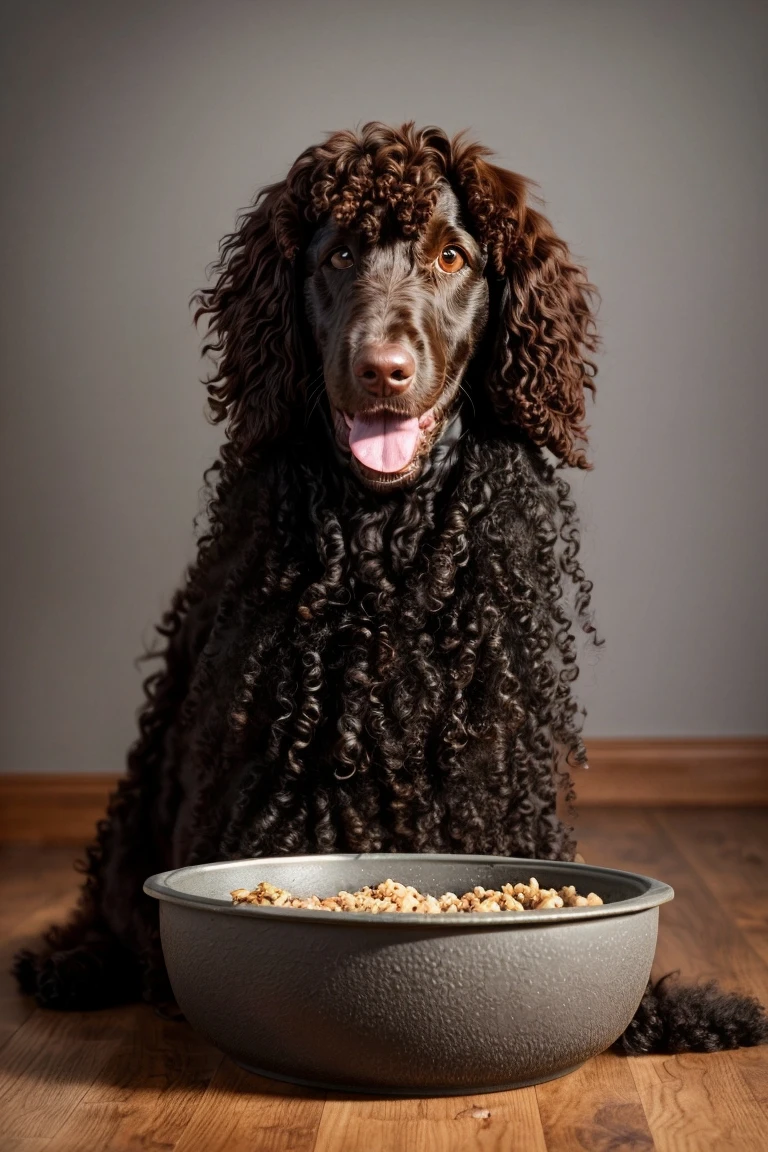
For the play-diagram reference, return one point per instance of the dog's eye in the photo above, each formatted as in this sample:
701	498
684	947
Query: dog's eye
341	259
451	259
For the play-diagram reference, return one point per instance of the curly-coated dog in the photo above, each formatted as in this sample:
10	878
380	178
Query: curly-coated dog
375	647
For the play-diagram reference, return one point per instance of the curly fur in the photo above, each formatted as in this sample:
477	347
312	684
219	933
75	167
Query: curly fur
346	671
698	1018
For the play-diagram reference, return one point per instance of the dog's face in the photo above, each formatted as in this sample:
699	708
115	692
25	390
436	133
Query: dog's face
368	261
396	324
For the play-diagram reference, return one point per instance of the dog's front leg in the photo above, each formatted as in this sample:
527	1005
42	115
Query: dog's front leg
109	951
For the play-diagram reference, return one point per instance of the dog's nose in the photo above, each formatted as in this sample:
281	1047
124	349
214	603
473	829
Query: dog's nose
384	369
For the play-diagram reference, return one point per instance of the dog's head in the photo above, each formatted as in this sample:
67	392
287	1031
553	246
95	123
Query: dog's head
377	271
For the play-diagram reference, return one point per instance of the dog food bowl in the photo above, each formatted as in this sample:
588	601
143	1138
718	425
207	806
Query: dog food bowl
407	1003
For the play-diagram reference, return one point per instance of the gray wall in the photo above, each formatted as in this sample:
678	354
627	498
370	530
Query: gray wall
133	132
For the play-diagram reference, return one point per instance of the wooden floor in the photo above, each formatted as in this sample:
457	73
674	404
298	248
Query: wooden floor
125	1079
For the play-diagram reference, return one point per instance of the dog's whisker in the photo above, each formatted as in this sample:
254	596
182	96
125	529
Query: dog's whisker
312	398
469	397
315	390
318	398
313	382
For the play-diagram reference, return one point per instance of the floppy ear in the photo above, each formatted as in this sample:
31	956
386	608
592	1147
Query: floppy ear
252	322
541	369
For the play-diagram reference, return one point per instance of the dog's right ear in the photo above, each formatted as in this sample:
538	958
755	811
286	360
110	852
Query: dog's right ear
260	376
542	369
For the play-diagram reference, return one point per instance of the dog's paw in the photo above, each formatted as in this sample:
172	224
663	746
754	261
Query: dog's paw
74	980
82	978
156	987
169	1010
24	970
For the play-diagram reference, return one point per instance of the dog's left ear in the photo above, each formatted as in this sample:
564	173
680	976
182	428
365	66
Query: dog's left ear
541	370
252	322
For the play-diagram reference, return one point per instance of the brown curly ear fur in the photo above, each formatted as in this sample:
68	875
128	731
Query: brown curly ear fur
541	371
260	379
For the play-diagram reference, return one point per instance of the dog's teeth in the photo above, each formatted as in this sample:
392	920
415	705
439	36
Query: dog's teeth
348	419
427	420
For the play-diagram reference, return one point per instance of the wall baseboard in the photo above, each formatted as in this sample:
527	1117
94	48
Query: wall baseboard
649	773
50	808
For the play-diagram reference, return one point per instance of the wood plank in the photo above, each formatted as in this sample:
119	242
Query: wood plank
489	1122
15	1009
598	1106
729	851
617	837
149	1087
241	1112
698	1103
48	1066
753	1069
692	1101
52	808
147	1091
30	878
36	890
24	1144
693	938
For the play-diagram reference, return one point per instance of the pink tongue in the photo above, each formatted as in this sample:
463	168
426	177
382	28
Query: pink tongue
384	442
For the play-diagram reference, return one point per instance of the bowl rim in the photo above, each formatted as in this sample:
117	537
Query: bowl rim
656	892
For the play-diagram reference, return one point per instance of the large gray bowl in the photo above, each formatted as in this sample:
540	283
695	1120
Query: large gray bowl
407	1003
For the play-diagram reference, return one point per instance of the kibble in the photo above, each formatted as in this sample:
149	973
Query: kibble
393	897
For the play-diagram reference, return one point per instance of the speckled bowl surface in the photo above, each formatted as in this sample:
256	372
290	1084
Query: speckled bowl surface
407	1003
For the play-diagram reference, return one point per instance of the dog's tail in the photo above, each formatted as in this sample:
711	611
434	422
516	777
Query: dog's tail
676	1017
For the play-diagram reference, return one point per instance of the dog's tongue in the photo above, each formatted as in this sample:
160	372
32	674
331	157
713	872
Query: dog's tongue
384	442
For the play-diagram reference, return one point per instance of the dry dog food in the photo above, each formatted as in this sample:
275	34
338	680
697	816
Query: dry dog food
393	897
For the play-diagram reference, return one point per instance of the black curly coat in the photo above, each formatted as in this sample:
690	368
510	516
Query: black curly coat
354	663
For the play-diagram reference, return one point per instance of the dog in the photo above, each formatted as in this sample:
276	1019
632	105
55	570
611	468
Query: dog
375	647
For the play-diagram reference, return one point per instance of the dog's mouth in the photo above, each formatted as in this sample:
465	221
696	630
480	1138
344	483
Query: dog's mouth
386	446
